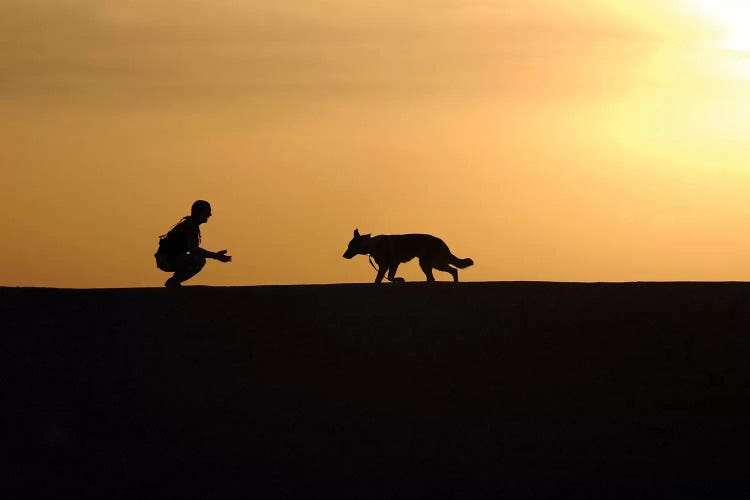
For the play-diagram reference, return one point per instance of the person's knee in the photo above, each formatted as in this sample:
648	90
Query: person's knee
190	264
198	262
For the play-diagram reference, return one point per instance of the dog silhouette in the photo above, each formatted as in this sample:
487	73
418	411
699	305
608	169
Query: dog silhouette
390	250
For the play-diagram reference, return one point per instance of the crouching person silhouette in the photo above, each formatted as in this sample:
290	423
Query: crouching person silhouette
179	250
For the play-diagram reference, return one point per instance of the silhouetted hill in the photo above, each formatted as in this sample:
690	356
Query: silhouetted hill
527	390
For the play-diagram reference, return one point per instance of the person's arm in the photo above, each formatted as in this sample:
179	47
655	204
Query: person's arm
221	255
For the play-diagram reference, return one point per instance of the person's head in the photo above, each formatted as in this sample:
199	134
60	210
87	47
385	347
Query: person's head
200	211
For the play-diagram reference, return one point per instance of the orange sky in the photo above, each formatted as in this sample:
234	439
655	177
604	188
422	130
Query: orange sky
598	140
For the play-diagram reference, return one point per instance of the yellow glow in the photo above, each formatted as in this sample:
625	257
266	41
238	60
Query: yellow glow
733	17
597	140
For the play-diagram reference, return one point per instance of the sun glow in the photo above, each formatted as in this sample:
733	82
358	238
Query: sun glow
733	18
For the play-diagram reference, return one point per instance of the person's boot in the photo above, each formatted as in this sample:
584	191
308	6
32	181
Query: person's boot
172	283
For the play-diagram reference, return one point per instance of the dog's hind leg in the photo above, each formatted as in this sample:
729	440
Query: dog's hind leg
426	269
448	269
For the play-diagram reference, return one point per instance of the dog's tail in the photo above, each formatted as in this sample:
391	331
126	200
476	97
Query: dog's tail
461	263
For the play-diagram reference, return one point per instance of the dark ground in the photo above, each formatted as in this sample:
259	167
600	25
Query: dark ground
498	390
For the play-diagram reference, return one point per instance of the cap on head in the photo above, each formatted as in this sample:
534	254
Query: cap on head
200	207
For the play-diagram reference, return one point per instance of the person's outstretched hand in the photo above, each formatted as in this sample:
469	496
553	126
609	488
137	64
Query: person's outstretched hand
222	256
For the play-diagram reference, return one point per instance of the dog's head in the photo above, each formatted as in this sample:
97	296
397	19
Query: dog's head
358	245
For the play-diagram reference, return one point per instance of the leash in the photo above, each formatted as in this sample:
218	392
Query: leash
369	256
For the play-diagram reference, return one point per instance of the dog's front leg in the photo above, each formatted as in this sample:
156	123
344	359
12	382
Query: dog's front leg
392	275
381	274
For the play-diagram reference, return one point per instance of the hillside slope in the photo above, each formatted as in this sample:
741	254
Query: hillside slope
407	391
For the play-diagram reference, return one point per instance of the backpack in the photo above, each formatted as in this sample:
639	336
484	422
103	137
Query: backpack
171	243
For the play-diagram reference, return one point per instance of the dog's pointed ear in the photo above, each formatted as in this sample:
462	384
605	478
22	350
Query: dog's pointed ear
356	233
